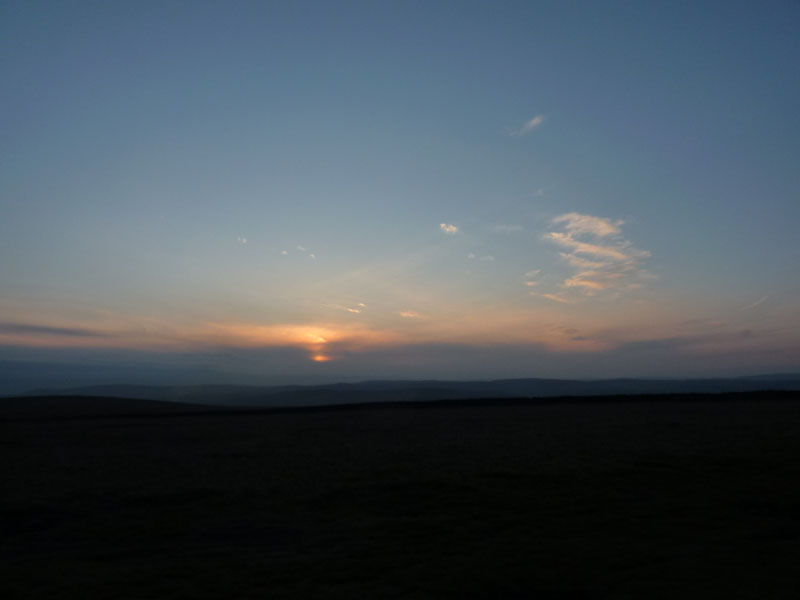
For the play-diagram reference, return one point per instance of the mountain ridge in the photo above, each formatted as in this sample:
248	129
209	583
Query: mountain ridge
422	390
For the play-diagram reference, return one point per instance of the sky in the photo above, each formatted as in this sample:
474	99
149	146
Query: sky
323	191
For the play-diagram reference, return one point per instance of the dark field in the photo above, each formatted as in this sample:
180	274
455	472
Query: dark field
635	499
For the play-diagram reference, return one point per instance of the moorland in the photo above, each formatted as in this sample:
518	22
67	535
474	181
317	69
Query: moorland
620	497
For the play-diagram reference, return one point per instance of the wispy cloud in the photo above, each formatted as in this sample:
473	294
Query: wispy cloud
284	252
307	252
355	309
576	223
410	314
530	277
528	126
448	228
555	298
592	280
485	257
607	252
701	324
31	329
601	257
581	263
756	303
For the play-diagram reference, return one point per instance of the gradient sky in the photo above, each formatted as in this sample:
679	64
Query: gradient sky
330	190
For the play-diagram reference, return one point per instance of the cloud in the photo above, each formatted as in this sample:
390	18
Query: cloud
710	342
410	314
581	263
554	298
613	252
603	260
528	126
485	257
284	252
507	228
351	309
241	240
471	255
756	303
701	323
346	308
582	280
310	255
448	228
576	223
530	275
31	329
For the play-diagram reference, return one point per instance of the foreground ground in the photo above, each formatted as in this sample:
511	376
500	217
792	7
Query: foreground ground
652	499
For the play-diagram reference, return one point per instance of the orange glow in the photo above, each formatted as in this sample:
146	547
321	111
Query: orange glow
553	326
311	336
320	339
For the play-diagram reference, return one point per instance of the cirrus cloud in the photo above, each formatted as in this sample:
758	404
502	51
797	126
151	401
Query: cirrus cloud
601	258
576	223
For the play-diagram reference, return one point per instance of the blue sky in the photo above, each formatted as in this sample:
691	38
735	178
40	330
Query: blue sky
432	188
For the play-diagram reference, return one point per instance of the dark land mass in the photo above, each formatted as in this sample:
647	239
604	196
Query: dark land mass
648	497
427	390
88	407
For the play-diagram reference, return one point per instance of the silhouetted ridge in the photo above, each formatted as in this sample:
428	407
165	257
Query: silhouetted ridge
428	390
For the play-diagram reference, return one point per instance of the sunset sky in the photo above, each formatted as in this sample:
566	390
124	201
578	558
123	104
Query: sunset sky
309	191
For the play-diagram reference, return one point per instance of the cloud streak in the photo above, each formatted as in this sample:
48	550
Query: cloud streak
530	277
554	298
351	309
30	329
576	223
528	126
448	228
601	258
756	303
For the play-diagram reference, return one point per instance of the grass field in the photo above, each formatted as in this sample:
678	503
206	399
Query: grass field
619	499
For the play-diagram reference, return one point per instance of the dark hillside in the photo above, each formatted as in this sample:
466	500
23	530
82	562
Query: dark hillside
694	498
76	407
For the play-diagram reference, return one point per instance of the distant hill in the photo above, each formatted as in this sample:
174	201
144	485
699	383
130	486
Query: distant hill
428	390
61	407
